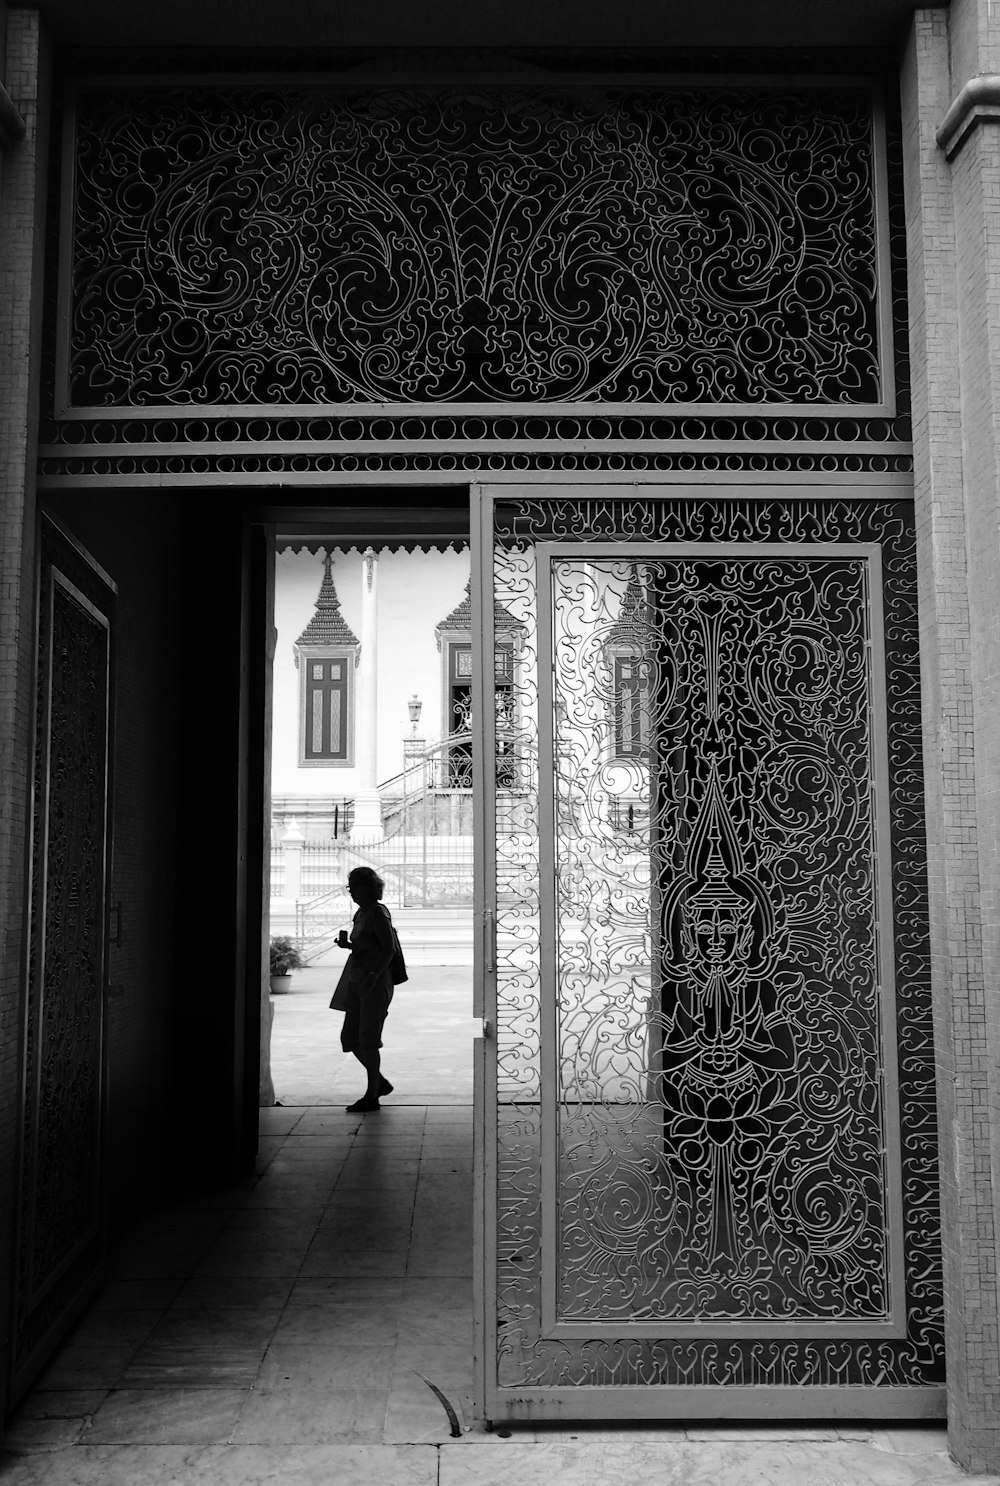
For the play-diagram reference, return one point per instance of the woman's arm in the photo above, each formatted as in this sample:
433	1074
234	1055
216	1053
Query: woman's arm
372	947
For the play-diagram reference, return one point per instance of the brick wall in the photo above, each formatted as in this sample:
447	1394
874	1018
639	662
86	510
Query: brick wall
955	486
21	235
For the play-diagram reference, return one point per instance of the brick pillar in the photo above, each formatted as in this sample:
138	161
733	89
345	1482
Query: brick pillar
953	232
23	120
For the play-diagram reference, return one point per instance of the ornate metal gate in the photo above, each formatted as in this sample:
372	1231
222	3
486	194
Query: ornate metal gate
710	1161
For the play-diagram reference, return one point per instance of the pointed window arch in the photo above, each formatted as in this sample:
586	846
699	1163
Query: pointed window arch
326	654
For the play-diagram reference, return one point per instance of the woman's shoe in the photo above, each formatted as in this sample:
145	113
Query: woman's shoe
364	1106
384	1086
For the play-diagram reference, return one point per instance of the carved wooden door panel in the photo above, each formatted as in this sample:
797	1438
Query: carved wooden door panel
61	1197
709	1162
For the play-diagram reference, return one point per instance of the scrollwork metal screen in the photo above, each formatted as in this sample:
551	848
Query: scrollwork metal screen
304	245
715	1062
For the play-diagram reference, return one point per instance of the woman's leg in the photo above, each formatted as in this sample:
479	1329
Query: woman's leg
371	1061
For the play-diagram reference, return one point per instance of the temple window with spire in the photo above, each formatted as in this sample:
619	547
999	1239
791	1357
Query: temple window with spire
454	640
626	648
326	654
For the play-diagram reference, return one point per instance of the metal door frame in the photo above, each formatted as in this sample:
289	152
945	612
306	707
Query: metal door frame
635	1401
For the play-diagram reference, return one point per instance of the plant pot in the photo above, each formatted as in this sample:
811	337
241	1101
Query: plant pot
280	984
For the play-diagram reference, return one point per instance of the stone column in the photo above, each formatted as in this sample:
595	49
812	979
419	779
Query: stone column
292	840
952	174
367	827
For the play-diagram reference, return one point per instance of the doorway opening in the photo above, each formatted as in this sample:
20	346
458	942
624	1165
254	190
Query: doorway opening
369	766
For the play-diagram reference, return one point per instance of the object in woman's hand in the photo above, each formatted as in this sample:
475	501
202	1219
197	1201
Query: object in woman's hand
342	940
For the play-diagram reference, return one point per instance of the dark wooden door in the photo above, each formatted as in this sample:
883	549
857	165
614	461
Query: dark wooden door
61	1227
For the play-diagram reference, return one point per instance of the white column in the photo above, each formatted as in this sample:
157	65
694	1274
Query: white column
292	840
367	827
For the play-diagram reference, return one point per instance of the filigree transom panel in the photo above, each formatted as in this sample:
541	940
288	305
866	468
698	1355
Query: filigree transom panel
629	246
716	1128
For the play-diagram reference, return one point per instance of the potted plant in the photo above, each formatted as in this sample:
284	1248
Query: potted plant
284	959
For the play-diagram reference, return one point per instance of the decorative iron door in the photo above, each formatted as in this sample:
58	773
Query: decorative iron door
61	1224
708	1118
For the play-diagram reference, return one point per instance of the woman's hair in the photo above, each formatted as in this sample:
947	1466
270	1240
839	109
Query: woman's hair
369	878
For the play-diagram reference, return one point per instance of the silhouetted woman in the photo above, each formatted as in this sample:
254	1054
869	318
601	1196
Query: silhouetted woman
365	987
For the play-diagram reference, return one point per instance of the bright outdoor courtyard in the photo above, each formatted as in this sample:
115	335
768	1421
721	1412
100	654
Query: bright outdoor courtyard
427	1051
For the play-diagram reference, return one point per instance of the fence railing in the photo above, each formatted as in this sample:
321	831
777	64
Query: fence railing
425	856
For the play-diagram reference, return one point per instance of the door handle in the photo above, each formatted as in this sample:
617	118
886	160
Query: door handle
489	941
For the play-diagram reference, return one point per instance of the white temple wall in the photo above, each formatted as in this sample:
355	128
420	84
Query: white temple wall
416	591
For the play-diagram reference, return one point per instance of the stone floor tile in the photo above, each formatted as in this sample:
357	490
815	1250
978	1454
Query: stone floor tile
324	1121
316	1289
201	1292
237	1243
303	1190
313	1415
760	1434
604	1433
333	1465
311	1465
69	1403
183	1228
431	1394
104	1328
198	1364
436	1312
289	1366
427	1262
520	1464
265	1264
278	1120
150	1264
365	1179
361	1230
317	1154
273	1223
224	1465
340	1323
85	1367
415	1415
334	1261
138	1295
168	1416
913	1439
315	1394
25	1436
375	1203
543	1463
239	1326
453	1218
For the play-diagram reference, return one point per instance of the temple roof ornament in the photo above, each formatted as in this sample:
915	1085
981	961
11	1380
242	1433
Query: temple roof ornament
460	617
634	621
328	626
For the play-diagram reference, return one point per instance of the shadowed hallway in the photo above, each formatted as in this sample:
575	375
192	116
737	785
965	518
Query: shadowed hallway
288	1331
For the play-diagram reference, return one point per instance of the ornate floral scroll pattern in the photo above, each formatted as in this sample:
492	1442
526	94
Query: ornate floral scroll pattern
752	1145
285	245
721	1122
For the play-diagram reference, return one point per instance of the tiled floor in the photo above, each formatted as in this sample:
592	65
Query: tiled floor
314	1325
428	1038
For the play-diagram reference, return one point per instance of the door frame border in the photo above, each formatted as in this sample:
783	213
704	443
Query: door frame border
523	1403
